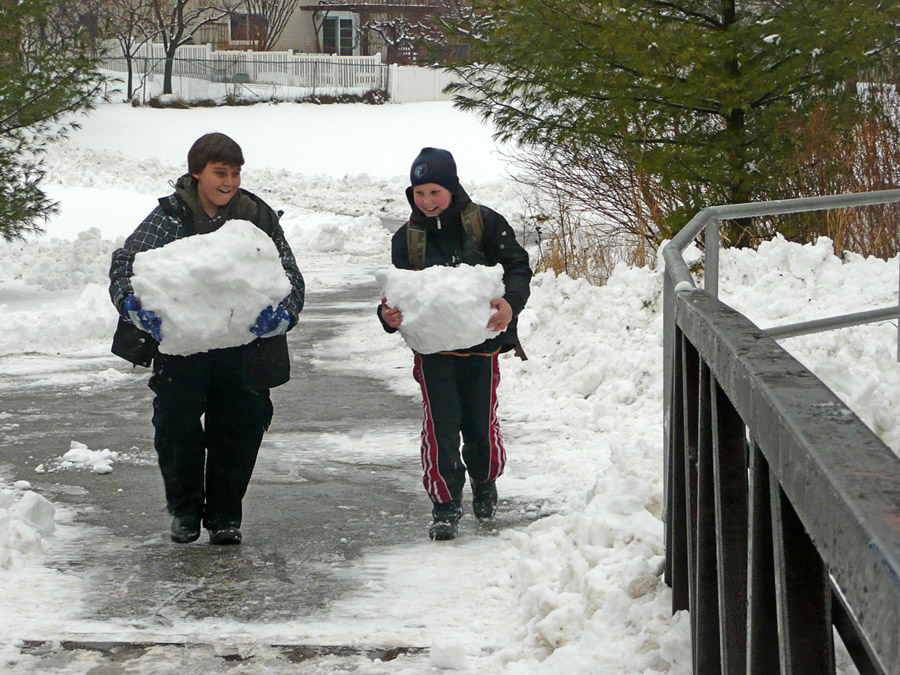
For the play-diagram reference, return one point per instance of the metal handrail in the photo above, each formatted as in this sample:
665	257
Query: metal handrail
781	508
777	437
677	274
709	220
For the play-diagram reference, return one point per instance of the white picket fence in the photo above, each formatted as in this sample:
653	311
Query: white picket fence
200	65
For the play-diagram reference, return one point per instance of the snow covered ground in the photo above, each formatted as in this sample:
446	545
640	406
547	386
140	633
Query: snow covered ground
577	591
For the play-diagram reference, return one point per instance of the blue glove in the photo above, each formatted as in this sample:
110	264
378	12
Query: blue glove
271	322
144	319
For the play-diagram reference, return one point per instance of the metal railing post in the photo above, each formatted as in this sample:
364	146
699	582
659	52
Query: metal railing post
711	252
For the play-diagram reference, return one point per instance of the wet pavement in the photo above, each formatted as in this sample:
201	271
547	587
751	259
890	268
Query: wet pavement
311	509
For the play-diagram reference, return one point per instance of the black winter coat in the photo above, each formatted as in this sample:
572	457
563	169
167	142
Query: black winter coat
265	362
447	243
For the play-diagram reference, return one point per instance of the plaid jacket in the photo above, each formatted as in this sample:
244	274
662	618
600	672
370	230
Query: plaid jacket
266	362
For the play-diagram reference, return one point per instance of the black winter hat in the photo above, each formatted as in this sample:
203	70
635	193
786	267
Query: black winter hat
434	165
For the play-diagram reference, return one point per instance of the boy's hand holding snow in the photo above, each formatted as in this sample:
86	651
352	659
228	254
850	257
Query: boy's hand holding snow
271	322
392	316
500	319
144	319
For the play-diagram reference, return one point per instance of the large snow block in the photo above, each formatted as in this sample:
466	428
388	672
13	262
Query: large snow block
444	308
210	288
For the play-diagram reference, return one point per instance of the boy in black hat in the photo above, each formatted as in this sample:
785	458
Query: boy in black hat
459	388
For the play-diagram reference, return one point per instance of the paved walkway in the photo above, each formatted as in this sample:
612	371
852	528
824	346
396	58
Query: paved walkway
309	511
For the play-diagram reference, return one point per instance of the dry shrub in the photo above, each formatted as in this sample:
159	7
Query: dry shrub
861	156
589	213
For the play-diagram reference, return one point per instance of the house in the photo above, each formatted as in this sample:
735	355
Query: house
392	28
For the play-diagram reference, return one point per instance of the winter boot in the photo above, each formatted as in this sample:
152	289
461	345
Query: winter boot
185	529
484	500
446	520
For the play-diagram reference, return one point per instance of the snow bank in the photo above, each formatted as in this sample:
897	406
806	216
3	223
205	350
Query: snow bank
333	233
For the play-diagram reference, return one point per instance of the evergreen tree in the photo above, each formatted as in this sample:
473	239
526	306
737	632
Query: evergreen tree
46	72
696	94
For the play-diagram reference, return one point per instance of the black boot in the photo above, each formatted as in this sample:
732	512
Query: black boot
185	529
484	500
446	520
225	534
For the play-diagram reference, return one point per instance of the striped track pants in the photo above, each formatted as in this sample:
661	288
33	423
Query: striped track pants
459	397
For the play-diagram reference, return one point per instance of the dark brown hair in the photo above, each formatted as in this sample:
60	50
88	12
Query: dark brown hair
214	147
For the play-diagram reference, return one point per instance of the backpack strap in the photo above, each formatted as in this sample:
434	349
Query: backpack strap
472	222
415	243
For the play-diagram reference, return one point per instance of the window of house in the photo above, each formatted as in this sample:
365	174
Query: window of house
337	36
248	27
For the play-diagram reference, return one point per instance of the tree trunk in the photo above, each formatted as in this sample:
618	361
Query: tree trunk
129	69
167	72
736	232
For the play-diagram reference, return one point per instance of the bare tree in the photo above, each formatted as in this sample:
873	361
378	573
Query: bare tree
176	22
274	15
400	36
129	23
74	20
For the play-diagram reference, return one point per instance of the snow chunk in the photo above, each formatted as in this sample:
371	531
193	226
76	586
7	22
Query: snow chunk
443	308
35	510
210	288
23	525
79	456
447	656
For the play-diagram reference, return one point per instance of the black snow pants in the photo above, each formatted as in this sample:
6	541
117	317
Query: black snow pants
459	396
208	432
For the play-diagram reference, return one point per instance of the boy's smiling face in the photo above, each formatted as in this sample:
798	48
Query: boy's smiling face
432	199
216	185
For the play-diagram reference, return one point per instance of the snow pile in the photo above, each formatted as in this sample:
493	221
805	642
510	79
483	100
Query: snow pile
209	289
26	518
333	233
447	656
65	322
57	264
443	307
784	282
79	456
597	562
578	574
